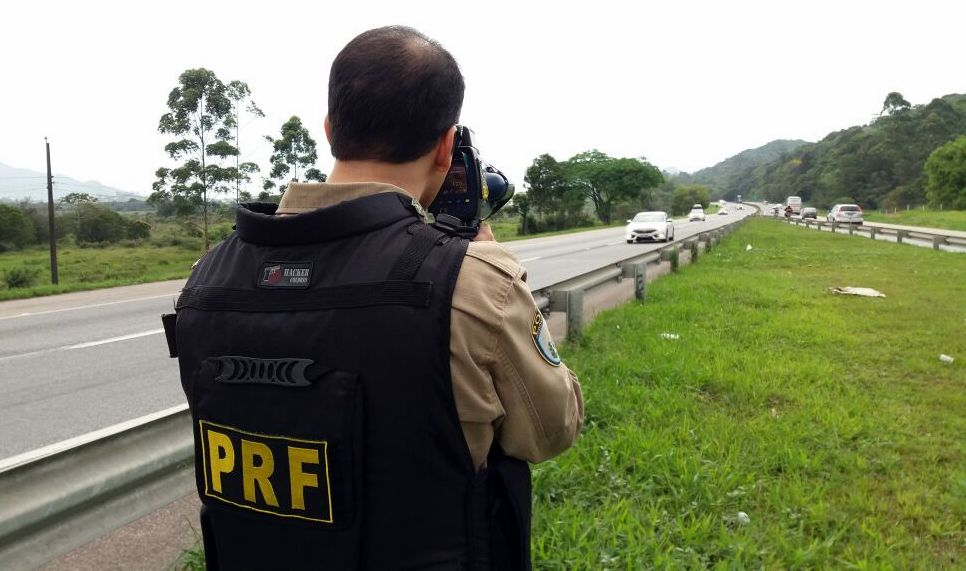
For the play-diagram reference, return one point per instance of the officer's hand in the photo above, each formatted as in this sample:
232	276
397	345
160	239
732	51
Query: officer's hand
485	234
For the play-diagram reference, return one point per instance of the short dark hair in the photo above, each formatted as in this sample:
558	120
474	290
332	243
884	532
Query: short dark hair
392	93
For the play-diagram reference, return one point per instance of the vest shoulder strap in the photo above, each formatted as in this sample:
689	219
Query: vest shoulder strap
424	239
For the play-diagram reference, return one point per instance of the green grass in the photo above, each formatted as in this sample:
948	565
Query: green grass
828	420
947	219
93	268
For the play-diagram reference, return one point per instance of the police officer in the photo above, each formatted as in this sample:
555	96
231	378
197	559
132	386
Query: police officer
366	389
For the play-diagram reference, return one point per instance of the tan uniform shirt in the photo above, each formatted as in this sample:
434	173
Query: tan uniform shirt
503	385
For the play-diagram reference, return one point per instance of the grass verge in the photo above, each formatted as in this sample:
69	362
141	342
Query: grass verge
94	268
947	219
786	428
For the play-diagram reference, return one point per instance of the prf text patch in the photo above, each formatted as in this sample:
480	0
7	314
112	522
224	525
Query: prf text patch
285	477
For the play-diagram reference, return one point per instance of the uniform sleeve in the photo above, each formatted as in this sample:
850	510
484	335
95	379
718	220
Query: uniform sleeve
541	396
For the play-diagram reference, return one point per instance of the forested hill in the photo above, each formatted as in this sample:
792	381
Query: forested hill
875	165
722	177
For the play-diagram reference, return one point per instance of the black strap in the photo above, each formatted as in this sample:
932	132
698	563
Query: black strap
170	323
424	238
210	298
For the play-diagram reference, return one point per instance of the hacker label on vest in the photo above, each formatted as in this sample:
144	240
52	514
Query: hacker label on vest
286	477
285	275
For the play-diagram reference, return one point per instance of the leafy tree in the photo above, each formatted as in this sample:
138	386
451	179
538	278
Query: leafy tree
101	225
687	196
295	149
550	191
16	230
74	200
521	204
240	95
946	171
199	107
607	181
894	103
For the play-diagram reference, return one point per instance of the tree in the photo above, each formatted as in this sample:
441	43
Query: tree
946	172
687	196
200	106
74	200
607	181
894	103
521	205
550	191
16	230
101	225
239	94
295	149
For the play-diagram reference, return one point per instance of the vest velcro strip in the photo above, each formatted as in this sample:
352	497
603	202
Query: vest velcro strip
211	298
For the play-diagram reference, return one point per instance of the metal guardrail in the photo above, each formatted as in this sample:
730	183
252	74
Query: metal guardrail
57	498
937	237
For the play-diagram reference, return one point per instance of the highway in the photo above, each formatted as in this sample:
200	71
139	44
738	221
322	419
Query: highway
914	241
75	363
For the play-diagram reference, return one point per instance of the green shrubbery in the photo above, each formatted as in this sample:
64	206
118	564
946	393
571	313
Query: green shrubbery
20	277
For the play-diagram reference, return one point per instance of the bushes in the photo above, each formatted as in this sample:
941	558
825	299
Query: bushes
16	230
20	277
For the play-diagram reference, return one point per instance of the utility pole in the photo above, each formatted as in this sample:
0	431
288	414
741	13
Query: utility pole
50	219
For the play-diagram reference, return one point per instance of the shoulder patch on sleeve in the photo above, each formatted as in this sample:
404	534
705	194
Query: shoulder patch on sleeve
542	341
495	255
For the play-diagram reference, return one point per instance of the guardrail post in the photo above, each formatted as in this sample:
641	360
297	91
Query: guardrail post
575	313
872	231
900	234
695	250
671	255
834	225
938	241
851	228
819	224
638	271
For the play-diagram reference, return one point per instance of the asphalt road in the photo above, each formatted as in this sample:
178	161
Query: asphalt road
75	363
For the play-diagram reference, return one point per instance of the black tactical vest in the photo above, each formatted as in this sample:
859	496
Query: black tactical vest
314	354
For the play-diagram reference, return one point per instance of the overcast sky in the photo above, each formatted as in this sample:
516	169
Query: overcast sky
683	83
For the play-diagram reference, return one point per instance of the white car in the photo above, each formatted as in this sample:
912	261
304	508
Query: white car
722	211
654	226
848	213
696	214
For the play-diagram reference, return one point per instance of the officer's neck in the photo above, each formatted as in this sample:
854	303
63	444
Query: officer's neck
412	177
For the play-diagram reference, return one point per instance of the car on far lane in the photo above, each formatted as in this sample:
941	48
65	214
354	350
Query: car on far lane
655	226
696	214
722	211
849	213
809	212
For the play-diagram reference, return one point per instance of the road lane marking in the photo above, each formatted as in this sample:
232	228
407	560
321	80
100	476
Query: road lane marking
524	260
114	339
83	345
93	305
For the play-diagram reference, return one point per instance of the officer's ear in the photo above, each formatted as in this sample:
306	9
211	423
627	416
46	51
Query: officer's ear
443	156
328	129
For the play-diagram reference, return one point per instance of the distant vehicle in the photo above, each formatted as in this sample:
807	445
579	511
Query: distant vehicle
795	202
696	214
722	211
775	210
655	226
722	202
739	207
739	199
849	213
809	212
